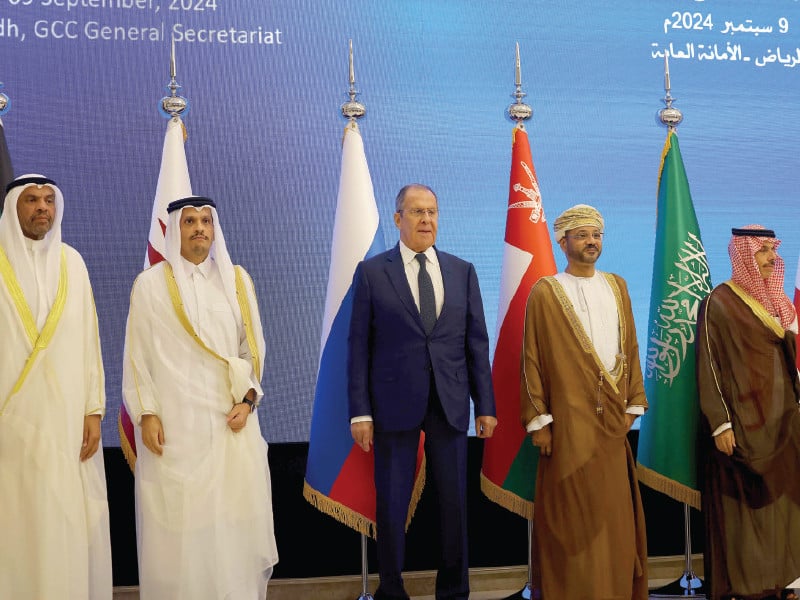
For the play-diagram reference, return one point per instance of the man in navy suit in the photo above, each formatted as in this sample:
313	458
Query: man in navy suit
418	349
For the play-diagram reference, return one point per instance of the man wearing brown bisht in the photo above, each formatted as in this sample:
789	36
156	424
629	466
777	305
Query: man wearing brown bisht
581	391
749	393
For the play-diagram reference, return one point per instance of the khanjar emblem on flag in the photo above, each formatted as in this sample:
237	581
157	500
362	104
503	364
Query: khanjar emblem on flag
534	200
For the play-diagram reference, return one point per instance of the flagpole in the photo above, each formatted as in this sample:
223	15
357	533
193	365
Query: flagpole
173	106
689	582
669	115
518	112
6	169
5	102
353	110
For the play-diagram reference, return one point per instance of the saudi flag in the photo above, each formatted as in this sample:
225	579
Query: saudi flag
667	440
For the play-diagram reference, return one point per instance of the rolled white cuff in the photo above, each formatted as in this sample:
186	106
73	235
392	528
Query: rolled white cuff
721	428
539	422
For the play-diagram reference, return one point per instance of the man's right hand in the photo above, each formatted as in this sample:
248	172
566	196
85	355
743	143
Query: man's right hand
543	438
153	434
362	434
725	442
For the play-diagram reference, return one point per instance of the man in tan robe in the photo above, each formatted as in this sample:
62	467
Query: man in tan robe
581	391
749	391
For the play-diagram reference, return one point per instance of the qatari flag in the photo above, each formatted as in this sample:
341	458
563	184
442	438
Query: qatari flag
173	184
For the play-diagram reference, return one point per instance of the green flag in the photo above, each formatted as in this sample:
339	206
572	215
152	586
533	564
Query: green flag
667	460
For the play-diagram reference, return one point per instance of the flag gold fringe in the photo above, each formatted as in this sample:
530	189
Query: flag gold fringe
356	520
506	499
338	511
670	487
664	152
127	449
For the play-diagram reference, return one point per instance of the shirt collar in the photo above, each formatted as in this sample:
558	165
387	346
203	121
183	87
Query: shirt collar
409	255
204	267
579	278
34	245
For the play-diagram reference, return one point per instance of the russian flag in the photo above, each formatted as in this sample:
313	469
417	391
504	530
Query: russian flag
339	475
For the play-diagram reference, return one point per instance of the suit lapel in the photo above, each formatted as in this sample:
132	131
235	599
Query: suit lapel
396	271
448	282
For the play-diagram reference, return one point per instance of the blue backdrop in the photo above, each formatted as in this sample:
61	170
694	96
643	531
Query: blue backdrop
265	130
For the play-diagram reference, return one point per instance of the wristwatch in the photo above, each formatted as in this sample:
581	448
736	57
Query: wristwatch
249	403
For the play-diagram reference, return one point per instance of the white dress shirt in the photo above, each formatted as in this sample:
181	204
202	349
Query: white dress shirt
411	265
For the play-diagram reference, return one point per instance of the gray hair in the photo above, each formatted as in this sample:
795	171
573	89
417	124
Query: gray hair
401	195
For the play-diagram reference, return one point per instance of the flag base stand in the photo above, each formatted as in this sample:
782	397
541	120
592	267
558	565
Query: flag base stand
365	595
526	593
689	585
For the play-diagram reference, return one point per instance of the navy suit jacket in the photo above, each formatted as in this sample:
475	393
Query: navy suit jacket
390	358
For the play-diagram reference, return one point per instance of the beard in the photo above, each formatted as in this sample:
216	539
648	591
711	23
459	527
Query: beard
584	257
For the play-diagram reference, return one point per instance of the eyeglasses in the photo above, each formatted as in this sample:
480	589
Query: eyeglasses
583	236
418	213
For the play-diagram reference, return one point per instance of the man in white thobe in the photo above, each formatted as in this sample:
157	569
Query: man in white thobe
54	530
194	351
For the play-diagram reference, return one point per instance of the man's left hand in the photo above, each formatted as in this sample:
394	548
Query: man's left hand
484	426
629	419
237	418
91	436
